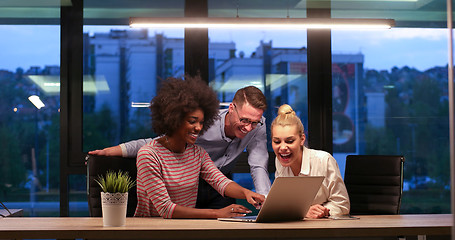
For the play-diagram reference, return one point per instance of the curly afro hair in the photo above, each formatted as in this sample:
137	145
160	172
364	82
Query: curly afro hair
178	97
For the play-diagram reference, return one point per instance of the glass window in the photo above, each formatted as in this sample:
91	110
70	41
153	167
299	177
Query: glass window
257	9
389	88
274	61
78	206
122	70
29	133
414	14
390	97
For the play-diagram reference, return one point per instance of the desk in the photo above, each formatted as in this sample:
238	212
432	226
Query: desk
158	228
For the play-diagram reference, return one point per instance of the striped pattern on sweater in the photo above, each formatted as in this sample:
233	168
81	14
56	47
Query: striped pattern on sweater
166	179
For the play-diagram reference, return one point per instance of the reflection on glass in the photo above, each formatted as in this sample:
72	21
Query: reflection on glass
393	101
30	136
345	73
122	71
273	61
269	60
78	206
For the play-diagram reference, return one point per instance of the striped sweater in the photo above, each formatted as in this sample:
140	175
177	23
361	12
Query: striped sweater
166	179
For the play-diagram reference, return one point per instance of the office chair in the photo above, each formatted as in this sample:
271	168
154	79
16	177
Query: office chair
374	183
99	165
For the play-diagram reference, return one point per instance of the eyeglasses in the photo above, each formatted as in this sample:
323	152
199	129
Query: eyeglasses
246	121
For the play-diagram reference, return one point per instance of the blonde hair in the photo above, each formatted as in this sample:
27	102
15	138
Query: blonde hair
287	117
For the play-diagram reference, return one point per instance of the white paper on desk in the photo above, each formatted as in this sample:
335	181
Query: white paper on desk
343	217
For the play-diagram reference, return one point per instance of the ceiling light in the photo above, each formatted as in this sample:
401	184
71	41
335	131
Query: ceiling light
140	104
36	101
262	23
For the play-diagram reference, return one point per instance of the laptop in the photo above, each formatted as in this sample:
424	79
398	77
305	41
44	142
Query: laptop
288	200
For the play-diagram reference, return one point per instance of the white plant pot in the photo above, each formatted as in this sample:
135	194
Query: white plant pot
114	209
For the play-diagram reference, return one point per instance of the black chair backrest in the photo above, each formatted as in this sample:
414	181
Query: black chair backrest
99	165
374	183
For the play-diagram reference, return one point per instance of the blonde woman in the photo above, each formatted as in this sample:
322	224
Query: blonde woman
294	159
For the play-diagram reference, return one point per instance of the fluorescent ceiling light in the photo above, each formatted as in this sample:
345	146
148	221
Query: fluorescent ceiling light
225	104
51	84
140	104
36	101
262	23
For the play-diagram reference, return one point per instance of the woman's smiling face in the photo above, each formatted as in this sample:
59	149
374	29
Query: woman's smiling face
191	126
287	144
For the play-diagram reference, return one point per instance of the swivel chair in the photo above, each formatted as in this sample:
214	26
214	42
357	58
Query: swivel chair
99	165
374	183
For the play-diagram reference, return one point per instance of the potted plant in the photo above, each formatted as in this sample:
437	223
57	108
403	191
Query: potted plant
114	197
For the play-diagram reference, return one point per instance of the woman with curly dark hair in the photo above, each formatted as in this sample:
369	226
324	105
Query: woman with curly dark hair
177	98
169	167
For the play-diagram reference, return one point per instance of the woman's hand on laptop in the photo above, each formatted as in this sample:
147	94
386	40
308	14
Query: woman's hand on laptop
234	190
317	211
255	199
233	210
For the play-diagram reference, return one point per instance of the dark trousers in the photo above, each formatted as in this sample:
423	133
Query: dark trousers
208	197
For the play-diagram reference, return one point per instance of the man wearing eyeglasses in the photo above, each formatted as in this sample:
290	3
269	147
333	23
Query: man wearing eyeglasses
240	127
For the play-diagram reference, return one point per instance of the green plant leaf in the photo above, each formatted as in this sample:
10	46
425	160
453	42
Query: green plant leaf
114	182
